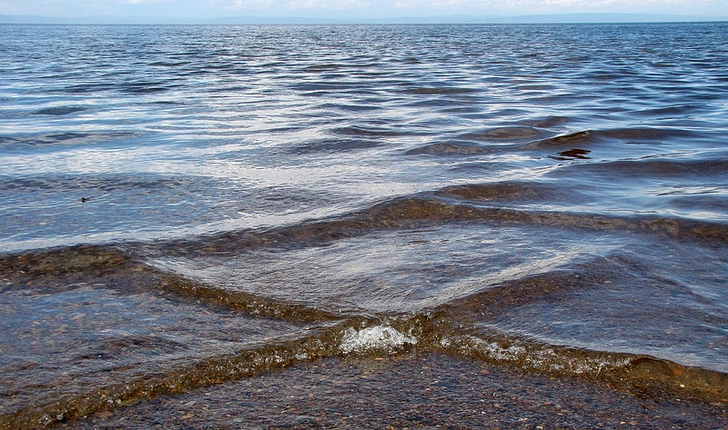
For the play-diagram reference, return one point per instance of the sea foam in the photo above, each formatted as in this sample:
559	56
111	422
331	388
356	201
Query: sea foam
374	339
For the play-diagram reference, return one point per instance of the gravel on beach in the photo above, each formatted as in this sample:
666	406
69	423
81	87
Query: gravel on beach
409	391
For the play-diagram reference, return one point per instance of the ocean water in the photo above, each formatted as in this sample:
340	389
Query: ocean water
186	205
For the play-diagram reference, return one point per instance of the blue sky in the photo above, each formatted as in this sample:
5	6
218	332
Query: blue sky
352	9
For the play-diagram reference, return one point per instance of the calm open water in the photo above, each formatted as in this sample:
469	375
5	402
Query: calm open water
184	205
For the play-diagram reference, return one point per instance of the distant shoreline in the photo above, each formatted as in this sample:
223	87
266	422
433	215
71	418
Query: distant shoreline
574	18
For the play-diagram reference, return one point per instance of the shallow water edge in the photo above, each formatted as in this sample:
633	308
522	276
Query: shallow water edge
288	334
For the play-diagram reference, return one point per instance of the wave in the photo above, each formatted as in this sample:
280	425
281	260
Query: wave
626	135
439	91
59	110
91	183
450	205
451	148
333	146
530	137
511	134
656	168
369	132
66	138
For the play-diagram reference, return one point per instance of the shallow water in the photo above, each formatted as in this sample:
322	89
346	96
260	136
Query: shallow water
186	205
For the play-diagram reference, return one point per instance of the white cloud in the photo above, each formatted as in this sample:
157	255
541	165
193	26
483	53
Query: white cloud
562	2
326	4
146	1
404	5
255	4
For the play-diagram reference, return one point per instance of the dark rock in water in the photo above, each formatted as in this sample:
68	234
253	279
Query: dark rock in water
572	154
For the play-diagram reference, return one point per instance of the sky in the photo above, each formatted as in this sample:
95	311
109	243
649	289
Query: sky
353	9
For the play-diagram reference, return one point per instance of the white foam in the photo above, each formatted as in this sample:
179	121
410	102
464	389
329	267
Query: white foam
378	338
540	357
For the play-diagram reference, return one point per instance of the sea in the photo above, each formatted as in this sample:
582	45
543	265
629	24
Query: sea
184	206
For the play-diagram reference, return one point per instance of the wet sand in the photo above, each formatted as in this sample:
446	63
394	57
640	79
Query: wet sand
409	391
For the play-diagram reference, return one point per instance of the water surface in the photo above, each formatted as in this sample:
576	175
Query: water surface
186	205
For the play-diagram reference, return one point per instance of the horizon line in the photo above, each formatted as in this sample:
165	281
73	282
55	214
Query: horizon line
565	18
